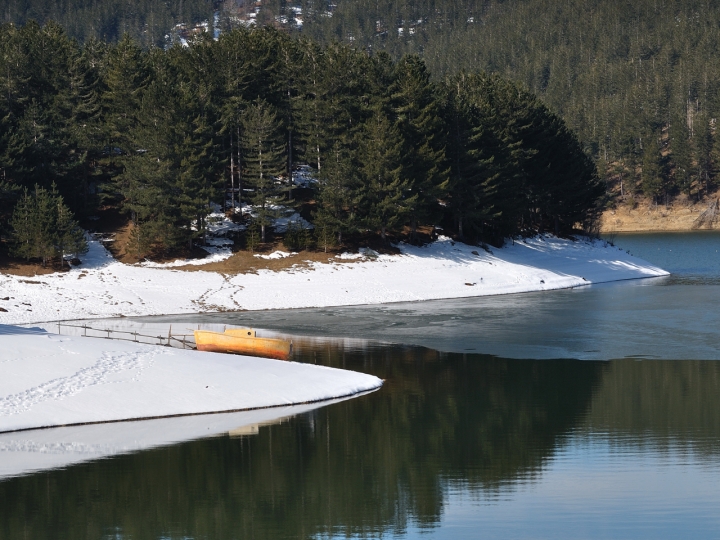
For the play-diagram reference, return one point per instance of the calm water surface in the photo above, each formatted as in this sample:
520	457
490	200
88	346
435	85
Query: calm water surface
588	413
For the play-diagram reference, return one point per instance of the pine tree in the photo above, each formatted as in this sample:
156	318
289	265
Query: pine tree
23	223
338	194
681	155
263	159
70	238
652	182
474	170
418	119
44	227
386	198
45	218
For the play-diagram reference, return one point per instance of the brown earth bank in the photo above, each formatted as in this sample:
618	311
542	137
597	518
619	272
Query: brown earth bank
680	215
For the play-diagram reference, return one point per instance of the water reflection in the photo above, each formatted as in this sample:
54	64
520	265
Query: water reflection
26	451
447	435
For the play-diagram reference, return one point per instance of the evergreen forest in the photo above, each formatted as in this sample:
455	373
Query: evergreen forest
163	133
149	22
637	82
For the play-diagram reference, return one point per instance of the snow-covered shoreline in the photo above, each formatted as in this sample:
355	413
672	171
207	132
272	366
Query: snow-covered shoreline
51	380
103	287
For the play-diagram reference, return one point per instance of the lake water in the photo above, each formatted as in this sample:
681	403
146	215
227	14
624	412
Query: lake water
586	413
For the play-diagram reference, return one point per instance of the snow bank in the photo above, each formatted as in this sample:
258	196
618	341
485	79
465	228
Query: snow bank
103	287
276	255
51	380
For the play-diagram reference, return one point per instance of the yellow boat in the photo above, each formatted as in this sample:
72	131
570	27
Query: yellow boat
242	341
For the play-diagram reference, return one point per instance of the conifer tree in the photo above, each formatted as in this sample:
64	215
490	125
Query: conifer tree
386	198
418	118
680	145
70	238
652	181
44	227
473	167
125	78
338	194
263	159
23	227
704	155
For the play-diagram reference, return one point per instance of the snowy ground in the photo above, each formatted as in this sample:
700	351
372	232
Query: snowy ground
102	287
51	380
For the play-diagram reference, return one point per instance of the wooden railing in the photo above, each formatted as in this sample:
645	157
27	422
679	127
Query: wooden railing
171	340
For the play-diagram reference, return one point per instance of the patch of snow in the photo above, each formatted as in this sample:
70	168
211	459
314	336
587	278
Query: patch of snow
281	224
363	253
349	256
276	255
304	175
367	252
218	224
217	254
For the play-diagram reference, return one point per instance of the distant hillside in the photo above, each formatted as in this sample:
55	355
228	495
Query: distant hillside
637	81
149	22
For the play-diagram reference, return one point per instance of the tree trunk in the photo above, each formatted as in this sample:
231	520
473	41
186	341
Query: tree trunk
239	168
262	233
289	166
232	174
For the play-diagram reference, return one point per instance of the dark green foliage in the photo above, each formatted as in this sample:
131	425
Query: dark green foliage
515	166
652	173
415	103
263	159
387	197
252	237
164	133
298	236
146	21
337	197
614	71
44	227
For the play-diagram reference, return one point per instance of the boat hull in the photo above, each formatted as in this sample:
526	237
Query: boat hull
251	346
